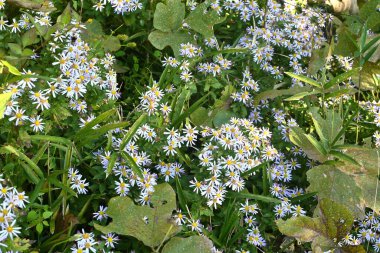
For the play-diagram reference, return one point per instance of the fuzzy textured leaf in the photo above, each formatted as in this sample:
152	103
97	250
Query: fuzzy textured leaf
160	40
168	17
193	243
203	20
128	218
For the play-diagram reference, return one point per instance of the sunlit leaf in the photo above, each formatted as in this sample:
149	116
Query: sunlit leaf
128	218
193	243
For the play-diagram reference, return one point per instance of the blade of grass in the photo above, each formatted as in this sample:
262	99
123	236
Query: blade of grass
135	168
26	159
190	110
131	132
88	127
304	79
262	198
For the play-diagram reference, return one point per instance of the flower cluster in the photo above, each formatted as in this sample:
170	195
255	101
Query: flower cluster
119	6
229	154
27	20
367	230
79	75
12	203
76	182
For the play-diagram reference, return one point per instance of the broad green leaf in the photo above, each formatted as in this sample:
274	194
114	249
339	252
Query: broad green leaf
111	44
42	6
317	60
304	79
195	243
160	40
299	138
128	218
367	158
354	190
222	117
367	73
270	94
200	117
303	228
331	222
202	19
168	17
29	37
66	16
329	127
368	12
4	98
346	45
11	68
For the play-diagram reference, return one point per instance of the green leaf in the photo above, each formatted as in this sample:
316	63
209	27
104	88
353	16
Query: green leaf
131	132
300	95
368	12
304	79
193	243
102	118
23	157
94	134
317	60
4	98
299	138
11	68
47	214
366	158
345	185
346	45
111	164
132	163
128	218
32	215
200	117
270	94
328	128
54	139
262	198
222	117
343	157
342	77
316	144
331	222
160	40
190	110
168	17
371	43
39	228
65	17
29	37
111	44
202	19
